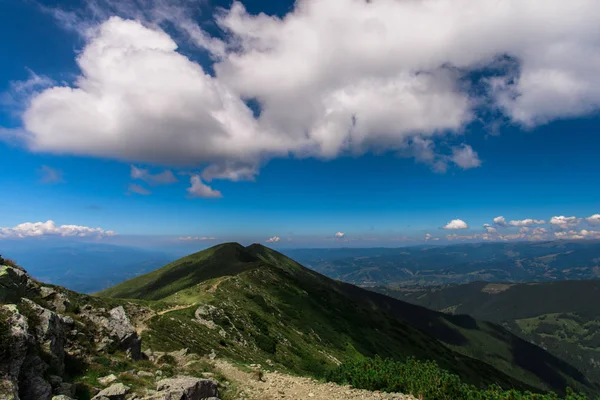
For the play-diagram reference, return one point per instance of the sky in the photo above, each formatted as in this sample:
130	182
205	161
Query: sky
299	124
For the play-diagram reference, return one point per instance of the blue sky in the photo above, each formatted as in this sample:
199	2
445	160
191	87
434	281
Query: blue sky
295	171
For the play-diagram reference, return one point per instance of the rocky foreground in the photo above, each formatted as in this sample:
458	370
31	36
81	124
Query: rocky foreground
60	345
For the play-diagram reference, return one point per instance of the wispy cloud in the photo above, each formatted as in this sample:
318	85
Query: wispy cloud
50	175
163	178
137	189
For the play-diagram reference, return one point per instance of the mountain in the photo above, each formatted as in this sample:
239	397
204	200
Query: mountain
253	303
83	267
455	264
562	317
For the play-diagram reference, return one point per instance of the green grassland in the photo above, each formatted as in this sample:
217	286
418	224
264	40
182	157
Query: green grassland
258	305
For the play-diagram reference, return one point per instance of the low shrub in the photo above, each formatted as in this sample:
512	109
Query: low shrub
425	380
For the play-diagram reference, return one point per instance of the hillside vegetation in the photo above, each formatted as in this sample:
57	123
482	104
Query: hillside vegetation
562	317
254	304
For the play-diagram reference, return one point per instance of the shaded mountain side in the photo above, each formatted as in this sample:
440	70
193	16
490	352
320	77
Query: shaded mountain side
562	317
255	302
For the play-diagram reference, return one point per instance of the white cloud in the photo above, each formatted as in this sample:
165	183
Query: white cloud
456	224
191	238
454	236
429	236
138	99
500	221
331	77
574	235
465	157
274	239
162	178
564	222
134	188
593	220
200	189
527	222
30	229
489	228
50	175
339	235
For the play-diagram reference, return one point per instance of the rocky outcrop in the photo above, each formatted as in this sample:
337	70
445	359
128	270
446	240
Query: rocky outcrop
125	333
36	338
14	284
116	391
50	331
15	341
56	300
185	388
120	330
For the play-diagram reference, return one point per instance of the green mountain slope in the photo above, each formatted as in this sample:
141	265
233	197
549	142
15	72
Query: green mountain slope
562	317
254	303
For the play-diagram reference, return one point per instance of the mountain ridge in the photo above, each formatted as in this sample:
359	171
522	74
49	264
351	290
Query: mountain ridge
255	283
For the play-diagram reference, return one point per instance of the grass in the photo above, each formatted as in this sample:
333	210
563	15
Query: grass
270	307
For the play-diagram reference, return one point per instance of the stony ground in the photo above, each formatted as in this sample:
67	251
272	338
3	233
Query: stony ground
280	386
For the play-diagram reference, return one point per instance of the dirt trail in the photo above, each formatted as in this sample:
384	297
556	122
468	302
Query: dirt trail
214	287
141	325
280	386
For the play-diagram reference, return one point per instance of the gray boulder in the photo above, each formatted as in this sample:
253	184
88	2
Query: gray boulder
120	327
58	301
51	332
12	361
116	391
186	388
32	384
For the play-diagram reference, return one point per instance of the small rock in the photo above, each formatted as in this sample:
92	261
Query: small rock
107	380
66	389
187	388
116	391
54	381
61	397
145	374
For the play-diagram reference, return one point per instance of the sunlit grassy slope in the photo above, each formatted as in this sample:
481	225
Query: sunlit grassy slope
266	306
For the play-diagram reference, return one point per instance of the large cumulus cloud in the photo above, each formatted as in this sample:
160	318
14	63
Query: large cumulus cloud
330	77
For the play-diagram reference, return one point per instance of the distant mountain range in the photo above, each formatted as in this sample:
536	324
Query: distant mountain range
562	317
461	263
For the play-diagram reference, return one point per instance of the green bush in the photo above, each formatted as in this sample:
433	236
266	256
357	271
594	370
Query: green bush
425	380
